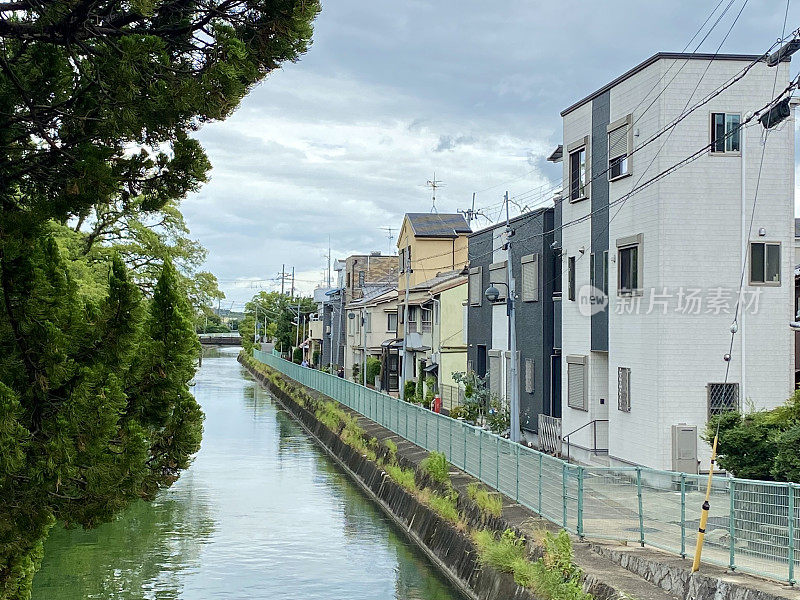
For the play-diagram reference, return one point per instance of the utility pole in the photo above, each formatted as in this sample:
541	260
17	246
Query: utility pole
293	286
471	213
329	262
512	331
283	277
434	183
407	268
297	331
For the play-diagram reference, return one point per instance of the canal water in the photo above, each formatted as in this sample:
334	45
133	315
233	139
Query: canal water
262	513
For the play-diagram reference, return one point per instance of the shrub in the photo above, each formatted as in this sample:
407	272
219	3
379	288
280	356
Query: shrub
373	369
418	391
392	448
444	506
403	477
436	465
297	355
457	412
315	357
357	372
552	577
490	503
409	391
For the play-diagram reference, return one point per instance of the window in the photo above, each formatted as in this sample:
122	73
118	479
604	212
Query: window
722	397
361	277
497	275
571	277
724	133
391	321
576	383
619	148
412	319
530	278
529	374
577	174
402	259
765	263
368	322
475	285
591	269
605	272
629	265
427	318
624	389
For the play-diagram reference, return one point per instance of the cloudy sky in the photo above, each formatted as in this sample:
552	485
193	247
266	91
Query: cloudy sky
341	144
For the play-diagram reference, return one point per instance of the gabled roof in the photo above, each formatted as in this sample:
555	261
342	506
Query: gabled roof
435	225
439	279
656	57
376	295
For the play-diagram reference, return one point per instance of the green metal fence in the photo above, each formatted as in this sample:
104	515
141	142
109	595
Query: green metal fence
754	526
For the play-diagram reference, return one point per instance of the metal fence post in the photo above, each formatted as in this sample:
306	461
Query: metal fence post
732	525
790	529
480	454
540	482
464	431
497	463
516	494
564	468
580	502
641	514
683	515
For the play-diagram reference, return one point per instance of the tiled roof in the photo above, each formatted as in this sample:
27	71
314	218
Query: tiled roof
438	225
440	278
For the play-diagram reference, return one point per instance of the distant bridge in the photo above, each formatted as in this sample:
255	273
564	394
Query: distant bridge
220	339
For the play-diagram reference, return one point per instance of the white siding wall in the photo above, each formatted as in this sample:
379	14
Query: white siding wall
691	223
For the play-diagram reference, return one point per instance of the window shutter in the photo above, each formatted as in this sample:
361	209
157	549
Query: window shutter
618	142
495	373
576	383
475	282
624	389
529	375
530	278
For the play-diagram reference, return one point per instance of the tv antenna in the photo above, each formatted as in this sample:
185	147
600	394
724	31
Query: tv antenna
389	235
471	213
434	183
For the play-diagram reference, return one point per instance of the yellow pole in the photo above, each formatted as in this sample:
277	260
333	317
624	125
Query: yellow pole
701	532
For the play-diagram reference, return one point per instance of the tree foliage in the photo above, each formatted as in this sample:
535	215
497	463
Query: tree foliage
279	311
98	100
760	445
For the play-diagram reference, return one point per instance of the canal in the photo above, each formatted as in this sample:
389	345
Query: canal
262	513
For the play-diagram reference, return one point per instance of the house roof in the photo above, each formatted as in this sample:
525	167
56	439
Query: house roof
438	225
556	155
440	278
526	215
656	57
376	295
449	284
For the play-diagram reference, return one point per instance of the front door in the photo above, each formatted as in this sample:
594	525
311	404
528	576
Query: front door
480	367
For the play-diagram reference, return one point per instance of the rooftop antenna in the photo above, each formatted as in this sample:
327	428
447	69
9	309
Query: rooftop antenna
434	183
471	213
389	235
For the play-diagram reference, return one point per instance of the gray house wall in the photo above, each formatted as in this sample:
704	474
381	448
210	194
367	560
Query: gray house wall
330	322
533	234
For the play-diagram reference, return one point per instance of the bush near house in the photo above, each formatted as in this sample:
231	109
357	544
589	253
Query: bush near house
409	391
759	445
297	355
373	369
315	357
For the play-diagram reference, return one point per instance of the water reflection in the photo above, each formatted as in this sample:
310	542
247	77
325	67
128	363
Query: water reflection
262	513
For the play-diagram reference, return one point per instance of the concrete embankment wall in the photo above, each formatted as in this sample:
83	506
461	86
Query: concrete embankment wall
450	549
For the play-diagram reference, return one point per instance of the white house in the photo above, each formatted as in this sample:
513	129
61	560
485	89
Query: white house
643	374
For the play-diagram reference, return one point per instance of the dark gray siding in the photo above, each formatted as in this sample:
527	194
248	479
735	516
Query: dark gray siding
533	234
599	192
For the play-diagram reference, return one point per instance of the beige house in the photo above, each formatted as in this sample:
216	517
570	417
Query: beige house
433	250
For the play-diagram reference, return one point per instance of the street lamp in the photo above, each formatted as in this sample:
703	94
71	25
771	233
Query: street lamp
492	295
352	315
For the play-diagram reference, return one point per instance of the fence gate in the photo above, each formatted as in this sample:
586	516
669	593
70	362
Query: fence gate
550	435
